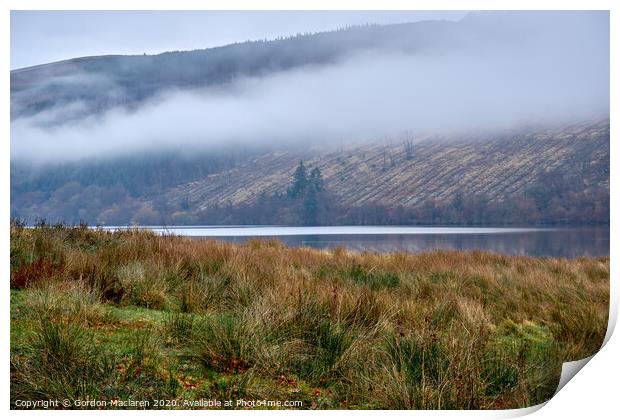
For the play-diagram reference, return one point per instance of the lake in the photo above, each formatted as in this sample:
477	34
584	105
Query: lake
555	242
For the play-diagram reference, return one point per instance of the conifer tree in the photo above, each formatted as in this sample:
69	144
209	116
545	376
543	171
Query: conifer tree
310	207
316	180
300	181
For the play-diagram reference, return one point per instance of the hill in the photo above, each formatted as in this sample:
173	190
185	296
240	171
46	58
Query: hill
216	135
553	175
497	166
92	85
100	83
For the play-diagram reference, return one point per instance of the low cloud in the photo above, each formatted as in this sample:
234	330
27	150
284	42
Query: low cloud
552	75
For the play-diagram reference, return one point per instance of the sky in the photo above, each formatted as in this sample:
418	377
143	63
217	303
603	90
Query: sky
39	37
499	70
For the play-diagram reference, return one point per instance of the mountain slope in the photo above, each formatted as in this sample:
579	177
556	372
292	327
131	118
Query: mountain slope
498	167
146	139
94	85
558	175
102	82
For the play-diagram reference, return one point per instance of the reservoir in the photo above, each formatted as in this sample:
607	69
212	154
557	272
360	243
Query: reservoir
553	242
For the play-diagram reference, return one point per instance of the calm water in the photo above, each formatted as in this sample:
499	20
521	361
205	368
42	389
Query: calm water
557	242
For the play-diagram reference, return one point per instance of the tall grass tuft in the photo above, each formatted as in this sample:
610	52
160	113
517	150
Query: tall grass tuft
133	315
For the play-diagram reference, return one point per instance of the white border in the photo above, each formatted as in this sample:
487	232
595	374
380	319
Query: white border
592	394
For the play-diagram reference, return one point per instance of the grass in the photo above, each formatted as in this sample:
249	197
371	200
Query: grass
132	315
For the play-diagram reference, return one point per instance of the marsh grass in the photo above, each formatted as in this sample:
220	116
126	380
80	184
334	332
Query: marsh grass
60	359
96	314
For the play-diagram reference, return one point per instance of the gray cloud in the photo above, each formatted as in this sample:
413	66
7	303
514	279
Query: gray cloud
541	74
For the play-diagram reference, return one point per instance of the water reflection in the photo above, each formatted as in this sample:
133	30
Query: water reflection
563	242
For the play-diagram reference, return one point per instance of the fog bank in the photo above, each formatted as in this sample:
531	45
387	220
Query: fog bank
544	72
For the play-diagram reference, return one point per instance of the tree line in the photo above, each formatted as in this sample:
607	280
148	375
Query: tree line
558	197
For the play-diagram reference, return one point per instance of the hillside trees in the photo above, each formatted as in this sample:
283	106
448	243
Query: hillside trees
307	190
141	189
300	181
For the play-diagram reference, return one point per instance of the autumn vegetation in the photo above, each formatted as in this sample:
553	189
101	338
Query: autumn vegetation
132	315
536	177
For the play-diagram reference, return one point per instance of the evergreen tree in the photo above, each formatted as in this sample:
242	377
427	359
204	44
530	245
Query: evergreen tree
310	207
316	180
300	181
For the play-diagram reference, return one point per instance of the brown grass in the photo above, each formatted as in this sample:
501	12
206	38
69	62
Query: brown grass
435	330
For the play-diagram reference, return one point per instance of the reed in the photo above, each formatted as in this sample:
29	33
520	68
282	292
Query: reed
134	315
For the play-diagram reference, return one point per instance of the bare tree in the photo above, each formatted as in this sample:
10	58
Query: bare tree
408	144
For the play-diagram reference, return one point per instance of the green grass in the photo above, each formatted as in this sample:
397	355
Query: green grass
130	315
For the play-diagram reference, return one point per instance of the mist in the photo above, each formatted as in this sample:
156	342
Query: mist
542	69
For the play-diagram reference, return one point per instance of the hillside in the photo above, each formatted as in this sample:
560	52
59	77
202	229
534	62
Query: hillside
100	83
216	135
437	169
85	86
530	176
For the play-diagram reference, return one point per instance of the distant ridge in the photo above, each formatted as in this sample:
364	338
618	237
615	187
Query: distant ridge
131	79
